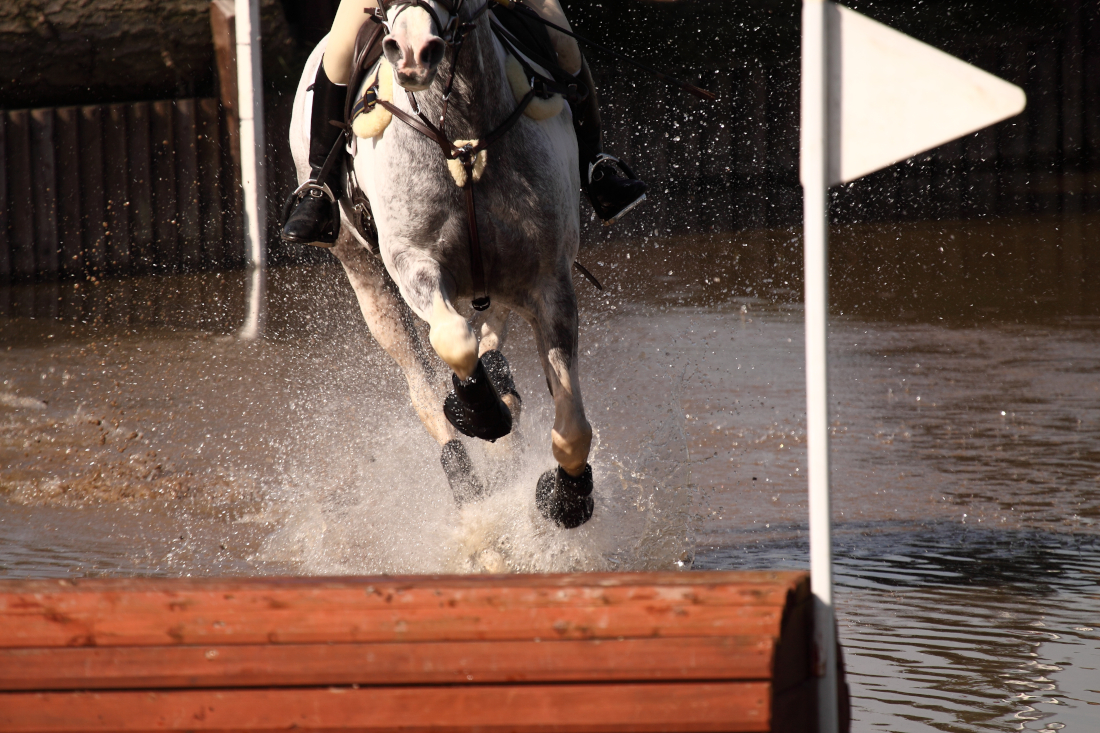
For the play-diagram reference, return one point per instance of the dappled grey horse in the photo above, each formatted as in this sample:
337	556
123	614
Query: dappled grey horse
527	230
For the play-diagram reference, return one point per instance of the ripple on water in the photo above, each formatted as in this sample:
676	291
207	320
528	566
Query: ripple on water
948	629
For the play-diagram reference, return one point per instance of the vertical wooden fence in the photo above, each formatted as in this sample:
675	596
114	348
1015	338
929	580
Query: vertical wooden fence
150	186
113	189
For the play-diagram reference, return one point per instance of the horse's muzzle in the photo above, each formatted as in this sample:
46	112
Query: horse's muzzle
414	58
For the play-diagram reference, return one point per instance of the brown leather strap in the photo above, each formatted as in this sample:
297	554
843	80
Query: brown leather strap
477	265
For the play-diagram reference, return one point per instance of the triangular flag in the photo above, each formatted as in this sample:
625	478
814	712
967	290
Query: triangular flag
891	96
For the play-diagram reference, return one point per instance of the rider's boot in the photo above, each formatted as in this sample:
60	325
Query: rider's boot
313	220
608	182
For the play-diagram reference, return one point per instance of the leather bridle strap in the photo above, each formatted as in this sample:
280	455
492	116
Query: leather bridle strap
404	5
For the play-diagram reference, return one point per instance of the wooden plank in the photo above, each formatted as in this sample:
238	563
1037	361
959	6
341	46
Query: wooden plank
187	184
465	663
139	155
731	706
69	225
44	172
126	612
5	216
163	170
795	710
20	197
115	174
210	182
794	648
223	28
93	197
161	623
743	584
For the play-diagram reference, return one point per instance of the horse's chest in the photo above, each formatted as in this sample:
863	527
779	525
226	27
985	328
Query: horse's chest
424	203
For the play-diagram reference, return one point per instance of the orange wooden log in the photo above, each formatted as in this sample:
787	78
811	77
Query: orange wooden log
606	708
592	652
120	613
88	668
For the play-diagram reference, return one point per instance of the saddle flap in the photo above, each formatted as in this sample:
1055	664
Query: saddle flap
368	118
368	49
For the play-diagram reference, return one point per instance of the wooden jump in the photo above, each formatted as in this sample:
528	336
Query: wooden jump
700	651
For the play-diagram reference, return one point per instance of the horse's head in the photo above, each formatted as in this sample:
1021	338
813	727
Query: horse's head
415	44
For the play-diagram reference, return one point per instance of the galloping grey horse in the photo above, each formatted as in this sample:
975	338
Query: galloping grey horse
527	220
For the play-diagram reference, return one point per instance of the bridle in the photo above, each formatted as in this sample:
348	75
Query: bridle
445	31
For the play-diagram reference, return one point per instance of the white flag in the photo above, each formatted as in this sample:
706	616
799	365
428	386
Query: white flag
891	96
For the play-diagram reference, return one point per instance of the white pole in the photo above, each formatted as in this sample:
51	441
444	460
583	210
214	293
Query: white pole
250	105
815	99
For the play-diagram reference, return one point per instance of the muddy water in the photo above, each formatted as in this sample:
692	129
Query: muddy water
138	436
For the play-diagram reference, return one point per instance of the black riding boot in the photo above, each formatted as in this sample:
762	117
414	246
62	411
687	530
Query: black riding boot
611	194
314	219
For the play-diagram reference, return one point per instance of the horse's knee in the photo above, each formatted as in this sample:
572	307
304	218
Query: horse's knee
494	329
452	338
572	441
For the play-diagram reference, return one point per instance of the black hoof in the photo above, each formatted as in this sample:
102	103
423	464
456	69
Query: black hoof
564	500
475	409
465	485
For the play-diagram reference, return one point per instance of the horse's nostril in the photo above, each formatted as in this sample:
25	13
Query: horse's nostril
392	49
432	53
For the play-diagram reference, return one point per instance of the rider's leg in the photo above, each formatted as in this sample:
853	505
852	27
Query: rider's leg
569	53
312	221
611	194
341	39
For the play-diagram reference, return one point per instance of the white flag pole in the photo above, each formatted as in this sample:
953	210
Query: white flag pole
814	149
250	107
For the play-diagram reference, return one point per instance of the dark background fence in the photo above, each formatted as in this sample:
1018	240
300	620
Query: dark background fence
171	203
121	188
734	164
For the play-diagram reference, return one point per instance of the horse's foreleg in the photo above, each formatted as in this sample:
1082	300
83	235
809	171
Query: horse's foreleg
392	326
474	408
451	336
493	329
565	495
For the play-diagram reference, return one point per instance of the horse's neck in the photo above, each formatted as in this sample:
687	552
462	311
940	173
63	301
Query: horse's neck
477	100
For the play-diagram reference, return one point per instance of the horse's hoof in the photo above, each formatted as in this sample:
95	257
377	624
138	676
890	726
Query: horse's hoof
564	500
465	485
475	409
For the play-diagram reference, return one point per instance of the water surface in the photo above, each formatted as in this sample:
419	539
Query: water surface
139	437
